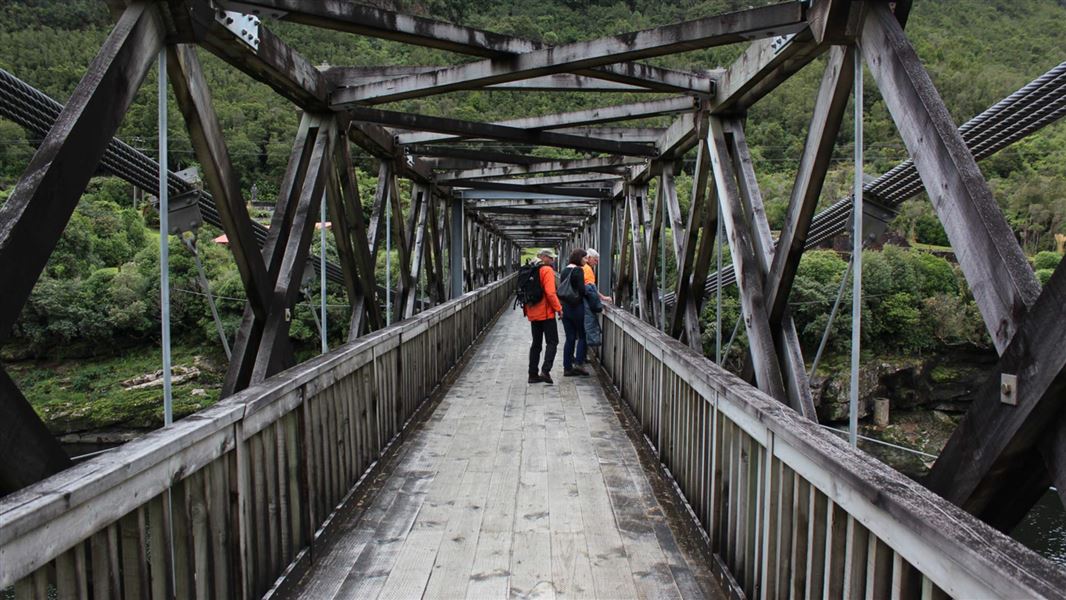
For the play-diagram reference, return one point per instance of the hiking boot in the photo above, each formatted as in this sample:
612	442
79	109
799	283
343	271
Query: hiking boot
534	378
546	378
578	371
573	372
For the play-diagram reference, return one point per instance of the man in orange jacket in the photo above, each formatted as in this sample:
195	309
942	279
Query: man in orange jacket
542	321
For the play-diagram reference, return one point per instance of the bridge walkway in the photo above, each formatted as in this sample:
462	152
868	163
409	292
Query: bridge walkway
510	490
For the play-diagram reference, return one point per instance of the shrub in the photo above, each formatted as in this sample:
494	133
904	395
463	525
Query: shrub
1046	260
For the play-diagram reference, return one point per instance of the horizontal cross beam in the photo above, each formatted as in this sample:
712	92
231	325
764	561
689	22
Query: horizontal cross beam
498	132
778	19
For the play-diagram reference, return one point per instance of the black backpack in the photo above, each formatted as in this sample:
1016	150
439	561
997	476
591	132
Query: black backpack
528	290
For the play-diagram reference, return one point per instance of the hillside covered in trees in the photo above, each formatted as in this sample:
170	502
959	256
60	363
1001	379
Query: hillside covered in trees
99	295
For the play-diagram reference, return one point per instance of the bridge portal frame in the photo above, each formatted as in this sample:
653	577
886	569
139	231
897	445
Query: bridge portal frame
1019	315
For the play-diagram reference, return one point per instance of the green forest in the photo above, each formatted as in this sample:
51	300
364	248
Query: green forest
92	321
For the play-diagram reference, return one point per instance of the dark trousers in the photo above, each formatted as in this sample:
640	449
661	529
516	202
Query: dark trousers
574	349
547	333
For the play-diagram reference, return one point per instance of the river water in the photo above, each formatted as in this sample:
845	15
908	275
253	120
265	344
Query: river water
1044	528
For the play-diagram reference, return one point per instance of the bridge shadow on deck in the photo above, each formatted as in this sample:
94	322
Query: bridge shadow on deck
509	490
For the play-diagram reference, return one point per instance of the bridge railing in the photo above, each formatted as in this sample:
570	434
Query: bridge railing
222	502
789	509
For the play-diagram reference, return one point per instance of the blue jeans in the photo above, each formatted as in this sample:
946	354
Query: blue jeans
574	349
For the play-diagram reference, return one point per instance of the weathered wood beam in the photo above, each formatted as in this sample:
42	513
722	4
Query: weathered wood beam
652	239
273	63
34	216
350	235
376	233
468	188
807	189
496	132
990	454
530	211
592	116
271	357
375	22
768	63
554	166
1003	284
637	135
436	225
30	452
246	345
728	28
356	76
786	340
685	318
749	279
46	194
477	154
205	133
401	238
420	212
624	276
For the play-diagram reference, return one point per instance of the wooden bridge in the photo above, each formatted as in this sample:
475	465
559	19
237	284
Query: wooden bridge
415	460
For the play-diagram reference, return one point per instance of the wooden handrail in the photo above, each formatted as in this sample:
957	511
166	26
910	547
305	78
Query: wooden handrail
790	508
221	502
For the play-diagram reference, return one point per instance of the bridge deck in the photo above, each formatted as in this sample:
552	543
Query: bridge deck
510	489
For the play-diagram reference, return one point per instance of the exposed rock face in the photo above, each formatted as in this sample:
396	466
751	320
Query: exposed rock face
942	382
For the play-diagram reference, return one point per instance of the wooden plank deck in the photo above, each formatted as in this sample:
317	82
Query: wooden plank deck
509	489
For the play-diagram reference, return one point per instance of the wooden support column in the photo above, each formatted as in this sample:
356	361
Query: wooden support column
786	341
35	215
749	277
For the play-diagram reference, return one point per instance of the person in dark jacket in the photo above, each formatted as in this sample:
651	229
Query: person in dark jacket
574	348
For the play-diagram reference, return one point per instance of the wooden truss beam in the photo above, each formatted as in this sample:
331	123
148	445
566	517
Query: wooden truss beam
743	252
205	133
786	340
496	132
374	22
353	247
356	76
699	232
261	347
469	187
592	116
807	189
728	28
1002	281
273	355
42	202
986	467
555	166
991	465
